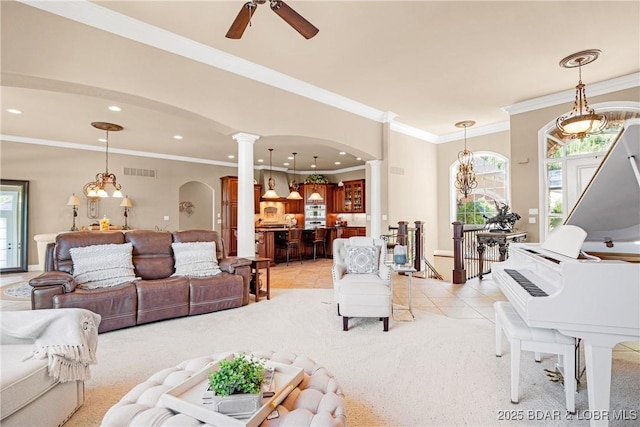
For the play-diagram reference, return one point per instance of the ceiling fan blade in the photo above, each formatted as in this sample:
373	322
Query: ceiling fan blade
241	21
294	19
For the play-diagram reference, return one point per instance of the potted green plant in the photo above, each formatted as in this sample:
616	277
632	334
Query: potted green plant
236	385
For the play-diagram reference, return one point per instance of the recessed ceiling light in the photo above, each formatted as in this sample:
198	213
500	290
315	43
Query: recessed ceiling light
285	164
358	158
102	139
14	111
260	160
177	136
336	163
231	156
342	153
313	166
290	158
115	108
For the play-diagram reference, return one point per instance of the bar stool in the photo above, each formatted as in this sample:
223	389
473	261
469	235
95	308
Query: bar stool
292	243
538	340
319	238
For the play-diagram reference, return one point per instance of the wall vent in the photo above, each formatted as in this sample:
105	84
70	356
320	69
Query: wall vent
397	170
146	173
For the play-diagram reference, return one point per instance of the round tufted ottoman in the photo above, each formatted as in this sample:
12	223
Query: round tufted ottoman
317	401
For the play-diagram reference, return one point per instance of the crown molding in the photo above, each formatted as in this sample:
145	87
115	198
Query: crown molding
86	147
475	131
414	132
595	89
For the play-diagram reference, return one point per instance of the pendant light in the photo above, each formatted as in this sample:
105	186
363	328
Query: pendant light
315	196
271	192
294	194
466	177
582	120
98	188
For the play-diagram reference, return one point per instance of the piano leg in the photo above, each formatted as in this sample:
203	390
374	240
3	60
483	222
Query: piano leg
598	361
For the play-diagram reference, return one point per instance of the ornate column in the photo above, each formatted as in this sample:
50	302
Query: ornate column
375	192
246	228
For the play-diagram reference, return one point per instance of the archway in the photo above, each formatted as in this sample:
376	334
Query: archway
196	206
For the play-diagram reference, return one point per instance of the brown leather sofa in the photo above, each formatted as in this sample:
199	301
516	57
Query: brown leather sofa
154	295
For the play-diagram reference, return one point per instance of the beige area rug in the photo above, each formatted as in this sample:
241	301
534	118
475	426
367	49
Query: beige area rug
433	371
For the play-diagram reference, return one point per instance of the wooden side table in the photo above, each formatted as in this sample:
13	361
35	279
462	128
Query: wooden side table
258	263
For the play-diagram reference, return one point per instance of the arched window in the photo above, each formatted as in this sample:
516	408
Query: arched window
493	187
568	164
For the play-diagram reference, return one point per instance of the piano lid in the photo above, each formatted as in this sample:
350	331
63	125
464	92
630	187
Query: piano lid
609	207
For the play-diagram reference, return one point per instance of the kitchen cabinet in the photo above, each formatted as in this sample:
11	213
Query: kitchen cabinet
354	196
346	232
292	206
229	211
308	189
266	245
338	199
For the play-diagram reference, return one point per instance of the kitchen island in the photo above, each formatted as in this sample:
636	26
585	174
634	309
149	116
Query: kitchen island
266	238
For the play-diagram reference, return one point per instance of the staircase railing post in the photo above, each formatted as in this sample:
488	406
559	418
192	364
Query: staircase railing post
459	273
403	232
417	262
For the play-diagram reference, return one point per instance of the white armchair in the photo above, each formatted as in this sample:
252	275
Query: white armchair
361	280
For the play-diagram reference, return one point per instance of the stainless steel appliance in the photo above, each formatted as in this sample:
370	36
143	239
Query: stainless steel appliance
315	216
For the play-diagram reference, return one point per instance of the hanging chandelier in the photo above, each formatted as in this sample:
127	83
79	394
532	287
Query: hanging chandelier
98	188
294	194
466	177
271	192
315	196
582	120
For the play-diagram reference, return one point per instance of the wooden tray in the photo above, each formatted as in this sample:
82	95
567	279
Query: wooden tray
186	397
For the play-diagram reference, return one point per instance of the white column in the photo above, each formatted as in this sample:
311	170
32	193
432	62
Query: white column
375	194
246	227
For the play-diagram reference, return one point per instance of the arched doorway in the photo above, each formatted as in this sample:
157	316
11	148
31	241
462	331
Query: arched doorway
196	206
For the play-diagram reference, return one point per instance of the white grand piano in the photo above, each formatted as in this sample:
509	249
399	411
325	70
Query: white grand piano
584	279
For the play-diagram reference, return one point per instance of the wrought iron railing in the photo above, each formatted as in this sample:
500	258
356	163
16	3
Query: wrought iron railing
466	262
413	239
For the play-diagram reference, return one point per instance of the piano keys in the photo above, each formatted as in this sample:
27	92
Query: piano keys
584	280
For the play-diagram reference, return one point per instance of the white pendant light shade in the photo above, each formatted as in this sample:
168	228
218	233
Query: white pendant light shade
271	192
294	194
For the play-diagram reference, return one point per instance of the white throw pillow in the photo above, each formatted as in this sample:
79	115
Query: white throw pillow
362	259
195	259
102	266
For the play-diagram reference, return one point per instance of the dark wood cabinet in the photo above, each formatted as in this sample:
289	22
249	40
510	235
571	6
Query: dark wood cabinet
294	206
354	196
338	199
229	212
346	232
308	189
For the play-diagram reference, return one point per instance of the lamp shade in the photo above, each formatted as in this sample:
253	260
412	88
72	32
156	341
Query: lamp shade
73	200
315	197
126	202
294	195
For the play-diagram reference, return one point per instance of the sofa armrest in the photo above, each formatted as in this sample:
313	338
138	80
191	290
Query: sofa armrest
384	272
54	278
230	263
338	270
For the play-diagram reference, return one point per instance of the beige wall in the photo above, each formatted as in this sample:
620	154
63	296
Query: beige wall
54	173
525	179
447	155
413	185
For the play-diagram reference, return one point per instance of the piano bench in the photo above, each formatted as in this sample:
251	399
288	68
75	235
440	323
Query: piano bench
539	340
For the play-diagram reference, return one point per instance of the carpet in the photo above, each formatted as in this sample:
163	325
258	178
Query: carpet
433	371
16	292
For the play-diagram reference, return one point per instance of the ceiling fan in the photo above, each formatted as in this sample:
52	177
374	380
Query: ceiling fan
285	12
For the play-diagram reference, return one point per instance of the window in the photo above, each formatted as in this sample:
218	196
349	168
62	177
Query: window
569	164
477	207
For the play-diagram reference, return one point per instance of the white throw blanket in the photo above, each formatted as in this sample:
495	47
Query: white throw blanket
68	337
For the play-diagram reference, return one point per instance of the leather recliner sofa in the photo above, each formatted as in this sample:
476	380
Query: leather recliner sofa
155	294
